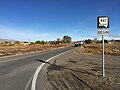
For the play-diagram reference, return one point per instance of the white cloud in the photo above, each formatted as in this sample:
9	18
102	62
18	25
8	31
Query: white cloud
115	36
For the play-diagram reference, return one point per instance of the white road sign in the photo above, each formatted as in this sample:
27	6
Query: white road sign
103	21
103	32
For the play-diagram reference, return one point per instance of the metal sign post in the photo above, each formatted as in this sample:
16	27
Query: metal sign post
103	23
103	61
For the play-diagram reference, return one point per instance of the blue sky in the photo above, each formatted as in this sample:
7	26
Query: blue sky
51	19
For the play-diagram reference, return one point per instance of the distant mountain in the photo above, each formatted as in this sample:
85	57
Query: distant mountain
10	40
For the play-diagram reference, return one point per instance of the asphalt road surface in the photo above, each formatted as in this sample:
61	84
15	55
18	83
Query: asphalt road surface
16	72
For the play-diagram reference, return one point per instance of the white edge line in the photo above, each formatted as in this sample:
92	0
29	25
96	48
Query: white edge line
33	87
27	85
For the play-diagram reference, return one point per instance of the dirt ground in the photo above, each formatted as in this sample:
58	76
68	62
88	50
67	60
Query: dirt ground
80	71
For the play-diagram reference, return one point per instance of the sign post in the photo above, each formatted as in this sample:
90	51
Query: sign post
103	61
103	23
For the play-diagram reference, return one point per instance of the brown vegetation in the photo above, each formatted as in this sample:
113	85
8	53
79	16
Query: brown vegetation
110	49
22	49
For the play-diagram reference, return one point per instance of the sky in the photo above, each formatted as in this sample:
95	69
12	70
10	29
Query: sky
48	20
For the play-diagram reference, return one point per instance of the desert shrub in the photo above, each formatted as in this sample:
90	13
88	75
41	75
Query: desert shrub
110	49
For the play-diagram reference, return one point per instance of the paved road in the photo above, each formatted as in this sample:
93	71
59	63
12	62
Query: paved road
16	71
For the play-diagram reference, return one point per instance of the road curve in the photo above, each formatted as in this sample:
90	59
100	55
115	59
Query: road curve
16	72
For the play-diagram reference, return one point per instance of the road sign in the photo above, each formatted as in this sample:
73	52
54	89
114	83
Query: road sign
103	32
103	22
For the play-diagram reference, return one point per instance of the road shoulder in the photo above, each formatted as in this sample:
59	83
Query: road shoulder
78	71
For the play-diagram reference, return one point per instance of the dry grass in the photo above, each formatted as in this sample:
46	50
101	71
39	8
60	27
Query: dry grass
20	49
110	49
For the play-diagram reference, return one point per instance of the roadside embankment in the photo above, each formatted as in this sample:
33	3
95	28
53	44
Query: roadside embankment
77	70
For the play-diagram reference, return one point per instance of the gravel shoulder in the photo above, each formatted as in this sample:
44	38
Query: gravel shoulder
79	71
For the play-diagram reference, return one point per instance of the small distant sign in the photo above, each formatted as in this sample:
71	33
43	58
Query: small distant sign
103	32
103	22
